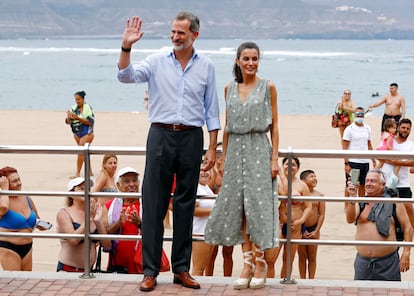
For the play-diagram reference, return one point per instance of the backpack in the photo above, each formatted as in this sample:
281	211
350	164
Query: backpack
399	232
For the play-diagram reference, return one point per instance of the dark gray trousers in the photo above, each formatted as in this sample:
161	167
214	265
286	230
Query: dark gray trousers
170	152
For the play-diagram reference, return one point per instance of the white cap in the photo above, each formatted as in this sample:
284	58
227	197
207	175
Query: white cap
76	182
124	171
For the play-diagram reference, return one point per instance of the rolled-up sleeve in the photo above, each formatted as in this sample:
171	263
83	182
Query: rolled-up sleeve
126	75
211	104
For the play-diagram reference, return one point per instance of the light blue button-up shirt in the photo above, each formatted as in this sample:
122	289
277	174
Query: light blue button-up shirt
186	97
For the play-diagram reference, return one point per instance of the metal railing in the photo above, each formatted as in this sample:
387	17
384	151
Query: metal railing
140	151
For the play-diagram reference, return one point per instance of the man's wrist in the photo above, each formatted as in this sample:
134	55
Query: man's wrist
126	49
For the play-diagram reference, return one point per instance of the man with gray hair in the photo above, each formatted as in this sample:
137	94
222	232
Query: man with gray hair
376	221
183	96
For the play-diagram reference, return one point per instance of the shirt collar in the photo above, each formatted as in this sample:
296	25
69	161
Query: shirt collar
171	53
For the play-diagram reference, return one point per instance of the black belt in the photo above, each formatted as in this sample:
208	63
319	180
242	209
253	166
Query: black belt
174	127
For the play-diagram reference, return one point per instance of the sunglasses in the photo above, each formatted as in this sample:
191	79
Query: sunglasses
359	114
347	93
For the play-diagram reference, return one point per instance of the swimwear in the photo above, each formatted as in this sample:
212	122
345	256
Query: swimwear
385	117
68	268
311	228
15	221
386	268
78	128
21	250
404	192
284	229
76	225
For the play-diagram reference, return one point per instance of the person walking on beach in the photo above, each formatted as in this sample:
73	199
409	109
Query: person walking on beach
81	120
357	136
246	210
394	105
376	221
183	95
307	253
346	107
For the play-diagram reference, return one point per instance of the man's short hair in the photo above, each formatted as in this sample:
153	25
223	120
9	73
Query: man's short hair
305	174
380	173
194	20
406	121
394	84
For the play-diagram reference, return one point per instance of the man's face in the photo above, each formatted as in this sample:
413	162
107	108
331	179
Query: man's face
311	180
373	185
129	183
181	35
404	130
393	90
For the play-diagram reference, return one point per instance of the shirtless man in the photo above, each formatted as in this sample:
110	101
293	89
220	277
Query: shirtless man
394	105
307	253
378	262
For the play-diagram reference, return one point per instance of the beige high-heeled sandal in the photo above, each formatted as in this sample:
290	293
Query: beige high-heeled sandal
243	283
257	283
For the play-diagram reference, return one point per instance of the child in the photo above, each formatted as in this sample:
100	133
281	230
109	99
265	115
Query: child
307	253
387	143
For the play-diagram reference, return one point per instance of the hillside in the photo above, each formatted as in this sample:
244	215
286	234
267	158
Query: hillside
356	19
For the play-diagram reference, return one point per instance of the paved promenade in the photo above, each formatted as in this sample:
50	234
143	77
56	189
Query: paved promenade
45	284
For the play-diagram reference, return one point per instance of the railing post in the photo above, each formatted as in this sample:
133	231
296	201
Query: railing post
86	158
288	245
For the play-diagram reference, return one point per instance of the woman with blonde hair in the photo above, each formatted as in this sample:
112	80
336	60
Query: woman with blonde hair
105	182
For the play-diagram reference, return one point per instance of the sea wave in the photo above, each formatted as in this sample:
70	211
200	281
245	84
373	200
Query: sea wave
221	51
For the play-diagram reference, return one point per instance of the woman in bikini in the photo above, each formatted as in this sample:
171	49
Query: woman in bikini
71	220
105	182
300	212
18	213
81	120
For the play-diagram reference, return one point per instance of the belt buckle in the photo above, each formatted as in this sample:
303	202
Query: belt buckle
175	127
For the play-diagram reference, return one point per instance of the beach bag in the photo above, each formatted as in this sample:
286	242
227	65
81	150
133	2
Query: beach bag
340	118
165	263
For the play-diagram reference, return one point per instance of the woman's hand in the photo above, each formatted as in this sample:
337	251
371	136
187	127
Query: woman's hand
275	167
4	183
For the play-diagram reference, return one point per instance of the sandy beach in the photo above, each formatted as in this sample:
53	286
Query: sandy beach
51	172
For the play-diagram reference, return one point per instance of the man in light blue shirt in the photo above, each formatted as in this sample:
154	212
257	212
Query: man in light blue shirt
183	95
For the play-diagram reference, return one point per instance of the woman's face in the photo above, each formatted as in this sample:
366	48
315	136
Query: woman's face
14	181
248	61
79	188
79	100
111	165
295	167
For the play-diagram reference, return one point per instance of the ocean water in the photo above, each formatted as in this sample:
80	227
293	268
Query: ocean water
310	75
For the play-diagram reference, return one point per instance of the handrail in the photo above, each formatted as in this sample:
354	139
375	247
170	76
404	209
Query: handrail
121	150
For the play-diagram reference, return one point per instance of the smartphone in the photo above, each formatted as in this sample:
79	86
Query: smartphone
43	224
354	173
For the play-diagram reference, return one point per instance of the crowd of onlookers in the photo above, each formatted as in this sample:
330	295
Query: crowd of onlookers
116	215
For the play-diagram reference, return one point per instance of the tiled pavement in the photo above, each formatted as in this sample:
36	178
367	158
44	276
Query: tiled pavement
45	284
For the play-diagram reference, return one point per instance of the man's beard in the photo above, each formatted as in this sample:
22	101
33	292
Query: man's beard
402	136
